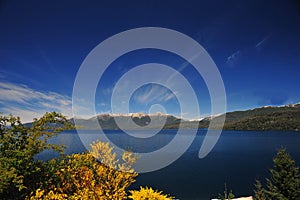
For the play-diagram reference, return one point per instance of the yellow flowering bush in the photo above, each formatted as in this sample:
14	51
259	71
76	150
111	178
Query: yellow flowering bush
95	175
148	193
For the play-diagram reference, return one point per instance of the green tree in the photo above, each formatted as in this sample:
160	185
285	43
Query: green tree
284	183
259	191
20	173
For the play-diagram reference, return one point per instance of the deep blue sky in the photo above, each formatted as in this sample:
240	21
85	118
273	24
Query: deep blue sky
255	45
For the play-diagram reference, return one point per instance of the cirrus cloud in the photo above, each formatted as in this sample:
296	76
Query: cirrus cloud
28	103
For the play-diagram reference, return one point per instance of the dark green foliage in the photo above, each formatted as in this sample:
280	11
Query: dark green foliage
288	120
265	118
20	173
284	183
285	180
259	191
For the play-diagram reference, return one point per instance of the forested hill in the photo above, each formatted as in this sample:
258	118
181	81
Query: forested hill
264	118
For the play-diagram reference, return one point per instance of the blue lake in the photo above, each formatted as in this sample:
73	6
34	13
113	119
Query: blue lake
238	158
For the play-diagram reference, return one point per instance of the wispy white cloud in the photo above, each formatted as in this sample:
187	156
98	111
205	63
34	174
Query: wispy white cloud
152	93
182	67
26	115
23	101
263	41
107	91
102	104
233	58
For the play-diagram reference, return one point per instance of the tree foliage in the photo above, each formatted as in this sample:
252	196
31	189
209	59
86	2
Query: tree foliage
259	191
284	183
273	118
20	172
99	174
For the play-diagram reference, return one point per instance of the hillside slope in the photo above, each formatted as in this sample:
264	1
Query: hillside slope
264	118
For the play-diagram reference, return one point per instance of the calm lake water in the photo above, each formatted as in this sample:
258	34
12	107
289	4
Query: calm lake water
237	159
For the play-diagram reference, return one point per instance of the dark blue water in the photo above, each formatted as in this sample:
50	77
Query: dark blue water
238	158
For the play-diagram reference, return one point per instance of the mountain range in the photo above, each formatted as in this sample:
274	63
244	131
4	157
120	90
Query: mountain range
286	117
128	121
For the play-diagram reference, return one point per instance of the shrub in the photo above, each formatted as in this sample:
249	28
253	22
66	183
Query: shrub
93	175
148	193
